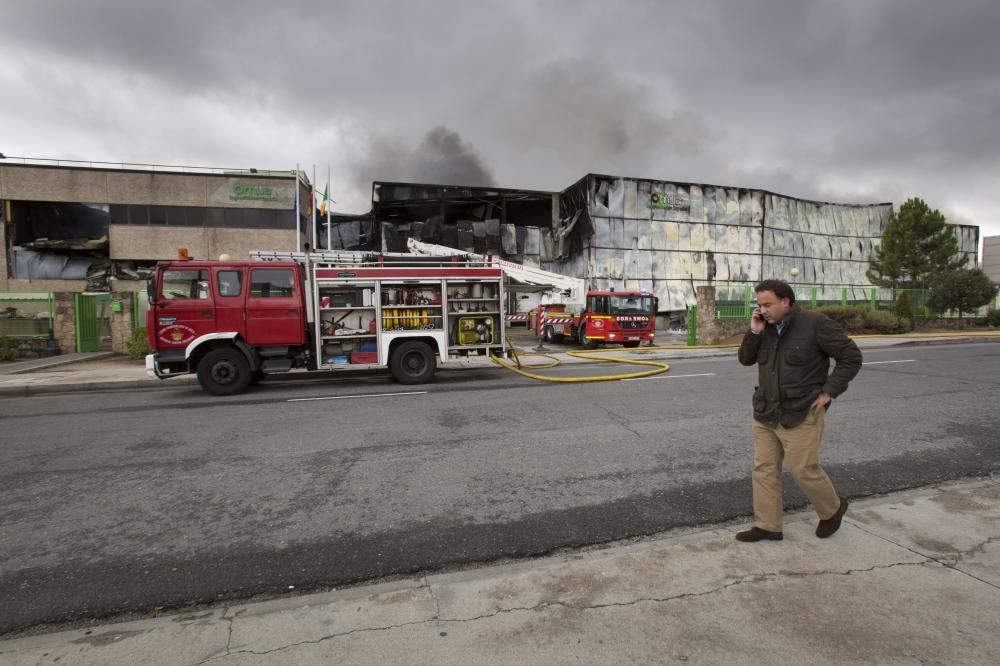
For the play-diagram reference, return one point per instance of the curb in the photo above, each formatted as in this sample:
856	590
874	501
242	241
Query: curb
34	365
28	390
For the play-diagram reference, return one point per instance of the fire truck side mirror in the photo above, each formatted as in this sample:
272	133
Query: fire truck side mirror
151	287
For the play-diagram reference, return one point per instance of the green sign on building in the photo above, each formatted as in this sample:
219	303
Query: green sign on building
253	193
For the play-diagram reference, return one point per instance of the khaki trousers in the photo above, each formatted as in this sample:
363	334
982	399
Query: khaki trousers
799	448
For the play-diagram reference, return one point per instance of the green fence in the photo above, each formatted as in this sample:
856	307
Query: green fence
26	314
738	301
93	316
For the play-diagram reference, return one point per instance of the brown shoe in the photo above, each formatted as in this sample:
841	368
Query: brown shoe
755	534
827	527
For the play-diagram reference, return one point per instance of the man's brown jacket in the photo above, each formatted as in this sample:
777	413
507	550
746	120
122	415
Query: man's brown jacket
793	368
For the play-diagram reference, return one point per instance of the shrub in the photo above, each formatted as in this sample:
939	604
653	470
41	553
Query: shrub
8	349
858	318
886	323
992	319
138	344
851	317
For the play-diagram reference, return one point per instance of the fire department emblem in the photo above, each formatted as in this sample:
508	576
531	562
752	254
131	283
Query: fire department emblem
597	323
178	334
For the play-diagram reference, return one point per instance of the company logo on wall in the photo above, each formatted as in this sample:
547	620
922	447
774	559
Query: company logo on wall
663	201
253	193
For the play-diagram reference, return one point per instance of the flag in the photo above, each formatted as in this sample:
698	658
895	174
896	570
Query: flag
326	197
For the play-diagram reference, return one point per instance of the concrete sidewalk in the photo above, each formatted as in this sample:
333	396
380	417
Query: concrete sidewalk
101	372
909	578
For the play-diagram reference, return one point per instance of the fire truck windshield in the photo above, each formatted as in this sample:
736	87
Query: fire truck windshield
632	304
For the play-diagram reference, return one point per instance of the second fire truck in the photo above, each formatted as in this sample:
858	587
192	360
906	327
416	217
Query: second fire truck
609	317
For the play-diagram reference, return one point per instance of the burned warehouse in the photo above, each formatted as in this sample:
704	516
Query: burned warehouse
637	234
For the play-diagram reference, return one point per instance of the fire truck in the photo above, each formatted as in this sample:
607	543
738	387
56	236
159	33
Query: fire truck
233	322
566	310
609	317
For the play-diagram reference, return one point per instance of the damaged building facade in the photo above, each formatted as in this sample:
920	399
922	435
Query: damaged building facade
631	234
97	229
72	229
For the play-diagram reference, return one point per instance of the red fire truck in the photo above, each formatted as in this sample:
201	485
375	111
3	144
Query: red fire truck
626	317
233	322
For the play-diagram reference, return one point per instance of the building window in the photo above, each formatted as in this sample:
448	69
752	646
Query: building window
185	284
271	283
211	217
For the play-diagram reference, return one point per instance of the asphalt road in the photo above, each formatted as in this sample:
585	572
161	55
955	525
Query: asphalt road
117	502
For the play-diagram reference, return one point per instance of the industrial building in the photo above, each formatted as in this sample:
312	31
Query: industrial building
631	233
82	228
991	258
77	227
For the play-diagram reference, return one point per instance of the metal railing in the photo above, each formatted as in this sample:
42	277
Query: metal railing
26	314
738	301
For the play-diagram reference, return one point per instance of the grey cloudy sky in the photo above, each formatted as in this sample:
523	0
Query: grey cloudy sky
854	100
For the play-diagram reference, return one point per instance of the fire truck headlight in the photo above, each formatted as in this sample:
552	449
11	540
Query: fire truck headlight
611	335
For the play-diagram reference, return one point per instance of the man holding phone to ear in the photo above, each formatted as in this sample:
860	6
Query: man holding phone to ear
792	349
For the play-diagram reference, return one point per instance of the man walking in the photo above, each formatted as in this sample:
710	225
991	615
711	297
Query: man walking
792	349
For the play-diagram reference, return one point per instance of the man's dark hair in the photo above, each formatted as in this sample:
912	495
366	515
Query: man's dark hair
780	288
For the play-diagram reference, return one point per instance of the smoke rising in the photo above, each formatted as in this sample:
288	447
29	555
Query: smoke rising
441	157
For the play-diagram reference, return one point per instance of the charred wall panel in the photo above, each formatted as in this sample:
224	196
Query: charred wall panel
673	236
827	244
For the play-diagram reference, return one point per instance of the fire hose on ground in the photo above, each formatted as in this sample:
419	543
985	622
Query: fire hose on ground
518	367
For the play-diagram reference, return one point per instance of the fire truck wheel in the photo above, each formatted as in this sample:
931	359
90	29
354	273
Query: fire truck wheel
412	363
550	335
631	345
584	340
224	371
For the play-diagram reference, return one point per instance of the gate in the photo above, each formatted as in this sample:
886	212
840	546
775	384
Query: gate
93	312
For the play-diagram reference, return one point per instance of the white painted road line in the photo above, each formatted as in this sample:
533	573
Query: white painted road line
363	395
669	376
909	360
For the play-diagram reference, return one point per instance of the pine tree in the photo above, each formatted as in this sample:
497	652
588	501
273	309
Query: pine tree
962	290
903	308
917	243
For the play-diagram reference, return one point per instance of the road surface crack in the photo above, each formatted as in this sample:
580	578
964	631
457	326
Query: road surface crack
950	562
749	578
437	602
623	422
541	606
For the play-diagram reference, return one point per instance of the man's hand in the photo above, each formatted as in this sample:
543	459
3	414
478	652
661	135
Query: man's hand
757	322
822	400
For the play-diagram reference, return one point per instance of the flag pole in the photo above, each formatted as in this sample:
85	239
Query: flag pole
314	209
298	213
329	233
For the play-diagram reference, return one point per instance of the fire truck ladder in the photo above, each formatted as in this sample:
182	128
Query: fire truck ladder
358	258
571	289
